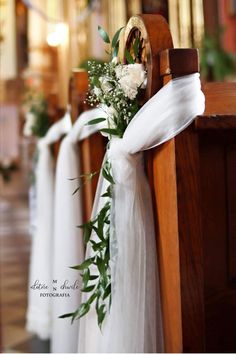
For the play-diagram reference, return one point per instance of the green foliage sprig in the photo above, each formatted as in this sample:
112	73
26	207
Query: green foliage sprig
110	88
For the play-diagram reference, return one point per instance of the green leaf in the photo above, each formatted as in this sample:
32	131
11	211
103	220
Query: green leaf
75	314
92	298
88	289
107	176
116	50
84	265
76	190
86	276
101	266
136	47
101	314
95	81
99	233
95	121
103	34
87	231
93	277
73	179
66	315
116	37
83	309
107	193
107	292
98	246
128	57
110	131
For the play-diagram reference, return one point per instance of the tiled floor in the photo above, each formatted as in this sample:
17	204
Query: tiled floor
15	242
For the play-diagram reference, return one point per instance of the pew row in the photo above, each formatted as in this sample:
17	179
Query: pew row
194	197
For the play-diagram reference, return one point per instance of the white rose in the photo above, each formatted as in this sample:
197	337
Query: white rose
131	77
119	71
136	73
105	84
128	87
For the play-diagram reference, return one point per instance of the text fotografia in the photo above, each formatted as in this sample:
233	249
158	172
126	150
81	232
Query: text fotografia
55	289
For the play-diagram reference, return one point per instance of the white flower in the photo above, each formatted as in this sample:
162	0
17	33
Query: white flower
131	77
136	73
96	91
30	119
105	84
118	71
129	88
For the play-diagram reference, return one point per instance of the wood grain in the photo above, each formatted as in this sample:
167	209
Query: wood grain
218	173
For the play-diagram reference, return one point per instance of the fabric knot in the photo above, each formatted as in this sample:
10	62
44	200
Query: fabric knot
123	163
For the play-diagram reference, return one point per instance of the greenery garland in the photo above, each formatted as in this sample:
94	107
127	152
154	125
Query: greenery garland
114	87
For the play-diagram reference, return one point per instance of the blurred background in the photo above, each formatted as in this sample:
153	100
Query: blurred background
41	41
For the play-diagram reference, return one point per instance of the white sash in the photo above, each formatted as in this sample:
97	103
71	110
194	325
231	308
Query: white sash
134	323
68	245
39	307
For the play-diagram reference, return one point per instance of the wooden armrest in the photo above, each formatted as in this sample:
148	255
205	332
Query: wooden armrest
178	62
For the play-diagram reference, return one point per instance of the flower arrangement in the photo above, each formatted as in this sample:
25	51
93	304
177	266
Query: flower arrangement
114	87
36	117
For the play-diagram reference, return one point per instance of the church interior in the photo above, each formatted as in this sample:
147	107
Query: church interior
54	102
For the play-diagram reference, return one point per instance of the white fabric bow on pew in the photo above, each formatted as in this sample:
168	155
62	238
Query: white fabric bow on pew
39	306
134	323
68	245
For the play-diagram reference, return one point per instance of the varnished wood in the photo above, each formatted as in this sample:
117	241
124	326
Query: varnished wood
149	26
220	107
190	240
220	98
55	113
91	149
215	122
178	62
218	174
78	88
164	192
167	232
192	181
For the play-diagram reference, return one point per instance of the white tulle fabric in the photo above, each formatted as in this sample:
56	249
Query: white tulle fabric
134	323
39	307
68	246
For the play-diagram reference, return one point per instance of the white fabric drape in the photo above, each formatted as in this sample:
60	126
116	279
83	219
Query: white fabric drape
68	246
39	304
134	323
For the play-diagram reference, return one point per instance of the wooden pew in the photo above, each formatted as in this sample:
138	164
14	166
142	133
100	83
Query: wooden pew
194	196
55	113
91	149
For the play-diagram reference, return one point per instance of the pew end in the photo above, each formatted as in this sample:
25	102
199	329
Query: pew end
191	178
